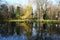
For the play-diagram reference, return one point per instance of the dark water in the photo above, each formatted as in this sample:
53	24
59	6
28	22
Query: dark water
39	31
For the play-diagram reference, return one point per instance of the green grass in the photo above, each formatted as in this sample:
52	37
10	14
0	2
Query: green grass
15	20
42	21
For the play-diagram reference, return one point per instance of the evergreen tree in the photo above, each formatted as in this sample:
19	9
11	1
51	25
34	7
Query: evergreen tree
17	12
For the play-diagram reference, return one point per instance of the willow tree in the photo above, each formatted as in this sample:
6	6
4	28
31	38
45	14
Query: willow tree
28	12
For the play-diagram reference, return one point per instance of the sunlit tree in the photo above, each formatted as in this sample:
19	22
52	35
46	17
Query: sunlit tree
28	12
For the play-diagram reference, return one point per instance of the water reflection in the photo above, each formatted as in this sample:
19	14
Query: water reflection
30	31
34	32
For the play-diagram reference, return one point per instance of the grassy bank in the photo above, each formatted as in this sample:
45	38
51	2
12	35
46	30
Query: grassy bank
42	21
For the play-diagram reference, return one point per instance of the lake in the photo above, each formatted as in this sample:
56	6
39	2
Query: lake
29	31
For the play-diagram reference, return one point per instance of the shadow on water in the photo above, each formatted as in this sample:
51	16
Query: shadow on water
29	31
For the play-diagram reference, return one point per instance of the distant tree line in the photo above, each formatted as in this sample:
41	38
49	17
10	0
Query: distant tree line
11	12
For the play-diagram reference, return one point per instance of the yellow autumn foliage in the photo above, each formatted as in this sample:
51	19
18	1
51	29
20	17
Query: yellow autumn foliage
28	12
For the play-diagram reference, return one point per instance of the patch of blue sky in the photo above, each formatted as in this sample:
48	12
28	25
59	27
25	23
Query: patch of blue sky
22	2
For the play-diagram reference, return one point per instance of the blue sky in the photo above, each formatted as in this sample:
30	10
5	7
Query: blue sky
24	2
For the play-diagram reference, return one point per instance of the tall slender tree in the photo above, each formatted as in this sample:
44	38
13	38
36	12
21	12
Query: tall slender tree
17	12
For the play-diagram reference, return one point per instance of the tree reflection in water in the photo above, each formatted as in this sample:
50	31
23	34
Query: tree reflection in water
27	31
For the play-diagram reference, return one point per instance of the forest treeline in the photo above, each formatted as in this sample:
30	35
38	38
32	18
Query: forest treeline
44	11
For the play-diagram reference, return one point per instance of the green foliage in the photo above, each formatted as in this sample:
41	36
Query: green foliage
17	12
42	21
